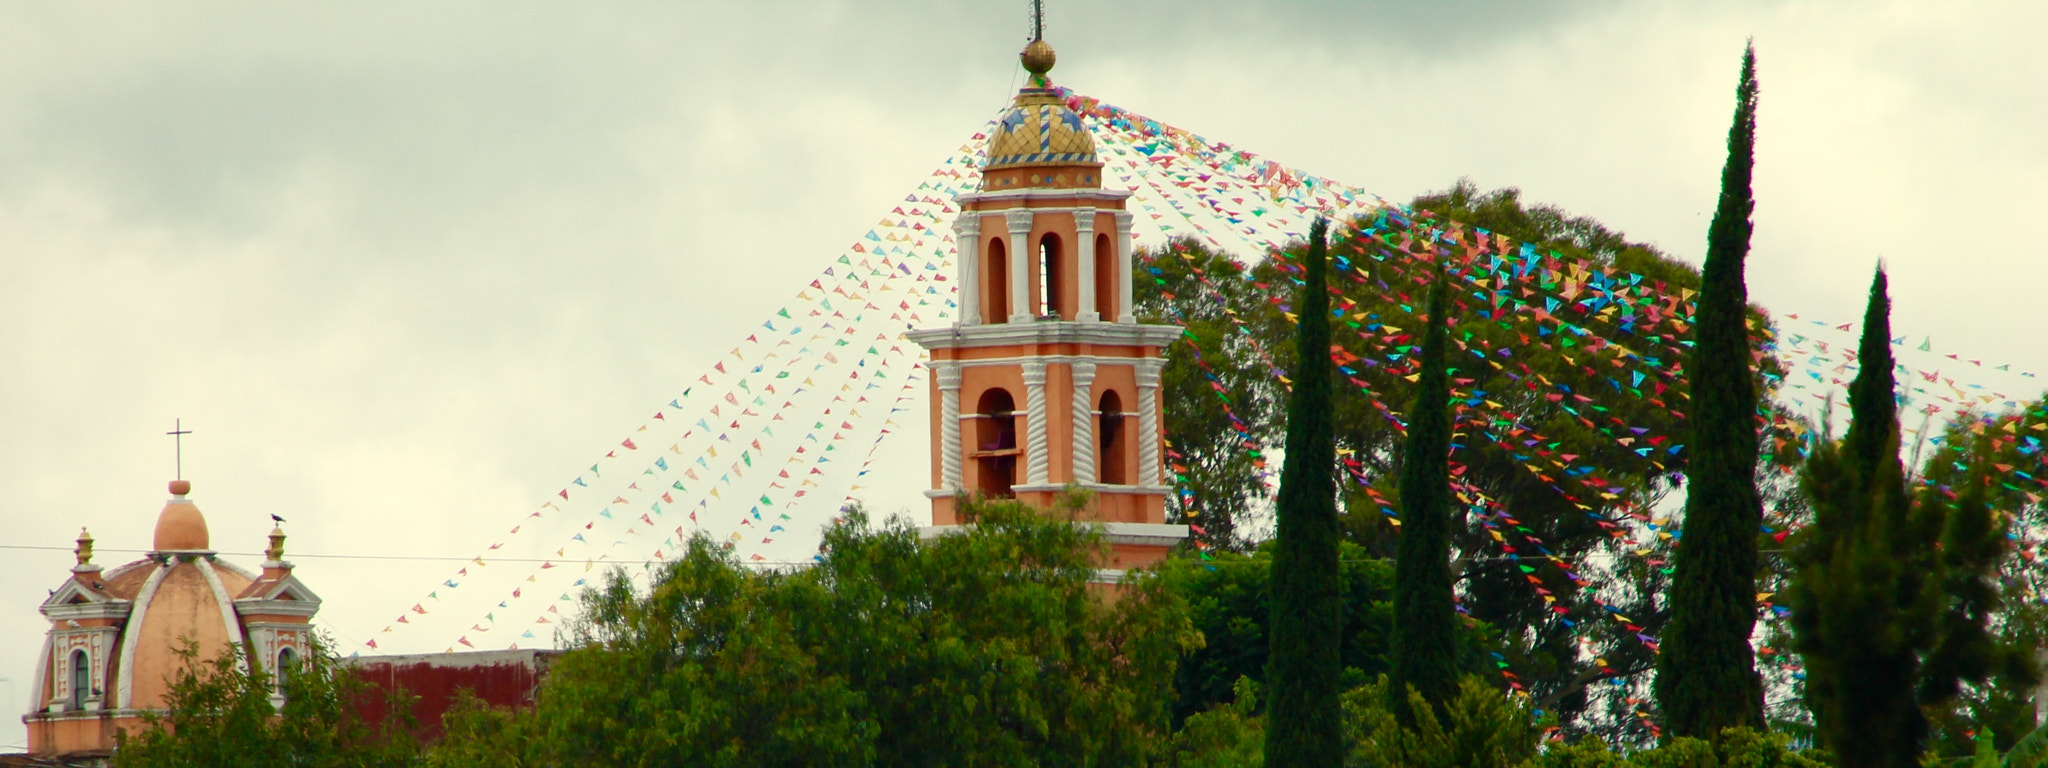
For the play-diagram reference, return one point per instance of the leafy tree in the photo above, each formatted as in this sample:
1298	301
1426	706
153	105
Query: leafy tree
220	712
1232	735
1221	389
1478	727
991	645
1706	674
1735	748
1424	641
2011	444
1308	607
1893	591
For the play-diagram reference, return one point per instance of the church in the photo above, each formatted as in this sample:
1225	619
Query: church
115	634
1046	319
1045	381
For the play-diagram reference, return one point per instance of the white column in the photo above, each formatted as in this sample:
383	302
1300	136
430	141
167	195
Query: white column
1126	313
1034	397
1084	423
967	242
1021	309
949	427
1084	258
1148	420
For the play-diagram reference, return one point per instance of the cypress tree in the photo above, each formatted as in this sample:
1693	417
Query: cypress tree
1424	645
1890	594
1304	725
1706	670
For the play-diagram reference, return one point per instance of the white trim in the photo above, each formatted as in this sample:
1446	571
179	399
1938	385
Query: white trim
220	595
37	703
1019	222
1125	309
1030	331
134	628
951	473
1083	405
1156	534
1149	433
1034	398
967	240
1108	576
1040	193
1084	263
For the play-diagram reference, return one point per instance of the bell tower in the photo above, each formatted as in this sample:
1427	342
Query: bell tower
1046	379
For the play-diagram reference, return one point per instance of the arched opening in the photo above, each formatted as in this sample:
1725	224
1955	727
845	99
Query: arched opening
81	679
287	663
1050	302
1111	433
996	279
995	443
1105	279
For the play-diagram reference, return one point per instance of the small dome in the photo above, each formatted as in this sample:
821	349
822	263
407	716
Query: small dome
180	526
1039	130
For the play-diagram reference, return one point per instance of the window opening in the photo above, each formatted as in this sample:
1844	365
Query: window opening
995	442
1111	431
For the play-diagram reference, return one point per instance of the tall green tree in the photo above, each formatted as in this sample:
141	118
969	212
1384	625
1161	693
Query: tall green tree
989	646
1706	672
1892	591
1306	724
224	711
1425	618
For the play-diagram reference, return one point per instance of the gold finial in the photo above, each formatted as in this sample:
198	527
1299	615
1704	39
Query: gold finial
84	546
276	551
1038	59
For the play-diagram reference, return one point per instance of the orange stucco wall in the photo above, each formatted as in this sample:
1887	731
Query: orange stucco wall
184	606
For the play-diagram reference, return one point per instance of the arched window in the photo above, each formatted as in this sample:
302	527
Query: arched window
81	679
997	278
1105	278
995	443
1111	454
287	663
1050	302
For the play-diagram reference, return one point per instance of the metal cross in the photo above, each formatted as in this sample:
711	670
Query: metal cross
178	433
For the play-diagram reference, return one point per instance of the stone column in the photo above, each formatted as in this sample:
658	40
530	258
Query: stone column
949	427
1084	423
1147	372
1034	397
1125	312
967	243
1084	262
1021	309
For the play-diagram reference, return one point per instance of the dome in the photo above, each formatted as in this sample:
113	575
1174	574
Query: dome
180	526
1039	130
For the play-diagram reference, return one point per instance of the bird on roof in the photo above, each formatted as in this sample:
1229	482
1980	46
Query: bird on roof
276	518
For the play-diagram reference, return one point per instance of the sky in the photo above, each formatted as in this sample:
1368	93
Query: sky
405	268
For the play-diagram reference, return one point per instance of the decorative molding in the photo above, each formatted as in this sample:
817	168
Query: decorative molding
951	473
1125	309
128	637
220	595
1021	310
1147	372
1084	422
1041	193
1034	396
1155	534
1084	264
1048	332
967	240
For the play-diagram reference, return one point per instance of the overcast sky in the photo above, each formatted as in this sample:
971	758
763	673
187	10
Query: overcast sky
405	268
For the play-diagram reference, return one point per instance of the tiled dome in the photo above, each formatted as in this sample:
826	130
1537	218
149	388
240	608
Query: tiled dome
1039	130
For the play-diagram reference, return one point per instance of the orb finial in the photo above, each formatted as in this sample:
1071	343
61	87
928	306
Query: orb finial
1038	58
276	551
84	551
